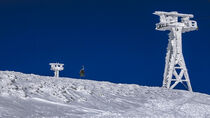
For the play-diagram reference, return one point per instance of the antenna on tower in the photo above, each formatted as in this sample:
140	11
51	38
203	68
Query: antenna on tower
56	67
175	68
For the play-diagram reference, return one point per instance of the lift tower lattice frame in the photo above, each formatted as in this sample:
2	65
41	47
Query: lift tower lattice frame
175	69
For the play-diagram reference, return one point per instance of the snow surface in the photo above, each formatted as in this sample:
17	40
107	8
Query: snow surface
33	96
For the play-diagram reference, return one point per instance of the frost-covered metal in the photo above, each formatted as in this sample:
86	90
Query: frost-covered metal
56	67
175	68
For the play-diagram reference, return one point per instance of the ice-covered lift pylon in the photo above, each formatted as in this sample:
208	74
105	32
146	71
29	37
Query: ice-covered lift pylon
175	68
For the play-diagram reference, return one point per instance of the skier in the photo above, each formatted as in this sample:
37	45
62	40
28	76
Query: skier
82	72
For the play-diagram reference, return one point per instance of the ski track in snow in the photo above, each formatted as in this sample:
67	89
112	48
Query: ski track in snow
33	96
50	102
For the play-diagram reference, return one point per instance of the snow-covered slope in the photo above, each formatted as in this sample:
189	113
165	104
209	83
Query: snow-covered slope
33	96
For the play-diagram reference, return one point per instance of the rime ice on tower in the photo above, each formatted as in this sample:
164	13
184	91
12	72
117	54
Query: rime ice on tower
56	67
175	69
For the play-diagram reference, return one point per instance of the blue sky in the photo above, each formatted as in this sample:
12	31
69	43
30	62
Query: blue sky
116	40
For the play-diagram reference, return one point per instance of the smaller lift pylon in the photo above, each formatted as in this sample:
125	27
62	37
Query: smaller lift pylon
56	67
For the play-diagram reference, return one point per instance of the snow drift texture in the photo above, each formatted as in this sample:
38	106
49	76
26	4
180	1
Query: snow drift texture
33	96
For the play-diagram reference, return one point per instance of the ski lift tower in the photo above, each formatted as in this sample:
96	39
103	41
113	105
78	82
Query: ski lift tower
56	67
175	69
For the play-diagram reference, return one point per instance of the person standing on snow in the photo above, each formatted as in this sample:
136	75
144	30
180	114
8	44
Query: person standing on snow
82	72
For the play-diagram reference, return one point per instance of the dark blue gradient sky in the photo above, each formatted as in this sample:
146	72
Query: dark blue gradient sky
116	40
